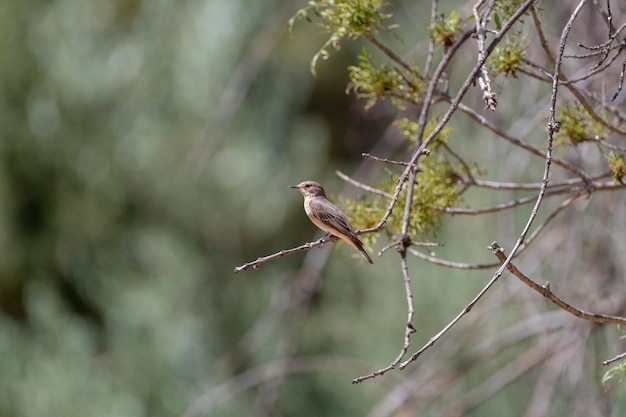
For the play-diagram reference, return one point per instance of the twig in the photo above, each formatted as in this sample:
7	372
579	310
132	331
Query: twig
408	329
596	69
621	81
462	161
615	359
601	48
363	186
392	55
450	264
504	206
260	261
431	44
428	244
542	38
547	292
609	18
385	160
393	244
605	144
498	185
489	97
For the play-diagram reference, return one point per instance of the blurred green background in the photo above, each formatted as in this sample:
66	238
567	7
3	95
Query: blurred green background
146	149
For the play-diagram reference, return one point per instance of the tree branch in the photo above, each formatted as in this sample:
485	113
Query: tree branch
547	292
260	261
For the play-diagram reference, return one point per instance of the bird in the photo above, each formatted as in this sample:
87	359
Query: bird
327	216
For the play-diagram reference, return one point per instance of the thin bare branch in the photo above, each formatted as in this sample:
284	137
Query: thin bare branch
507	205
614	359
451	264
621	81
542	37
498	185
408	329
362	186
385	160
431	44
481	19
547	292
260	261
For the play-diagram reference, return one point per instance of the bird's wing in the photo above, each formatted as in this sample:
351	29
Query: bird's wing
327	212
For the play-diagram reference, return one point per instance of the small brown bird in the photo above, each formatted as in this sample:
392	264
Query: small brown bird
327	216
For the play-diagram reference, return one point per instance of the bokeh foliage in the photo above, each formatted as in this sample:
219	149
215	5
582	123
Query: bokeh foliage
116	209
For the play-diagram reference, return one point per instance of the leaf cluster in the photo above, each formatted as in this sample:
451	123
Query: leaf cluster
503	10
373	81
343	18
577	126
445	29
508	56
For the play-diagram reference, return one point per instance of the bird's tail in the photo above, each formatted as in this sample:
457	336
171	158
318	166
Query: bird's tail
359	246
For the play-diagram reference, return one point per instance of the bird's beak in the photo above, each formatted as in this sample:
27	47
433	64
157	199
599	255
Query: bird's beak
294	186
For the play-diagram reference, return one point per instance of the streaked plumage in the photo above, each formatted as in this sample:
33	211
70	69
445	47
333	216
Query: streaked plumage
327	216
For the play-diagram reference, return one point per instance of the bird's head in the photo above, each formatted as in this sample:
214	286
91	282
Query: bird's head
310	189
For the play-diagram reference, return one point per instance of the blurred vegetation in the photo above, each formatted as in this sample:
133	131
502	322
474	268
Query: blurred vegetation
118	225
146	148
